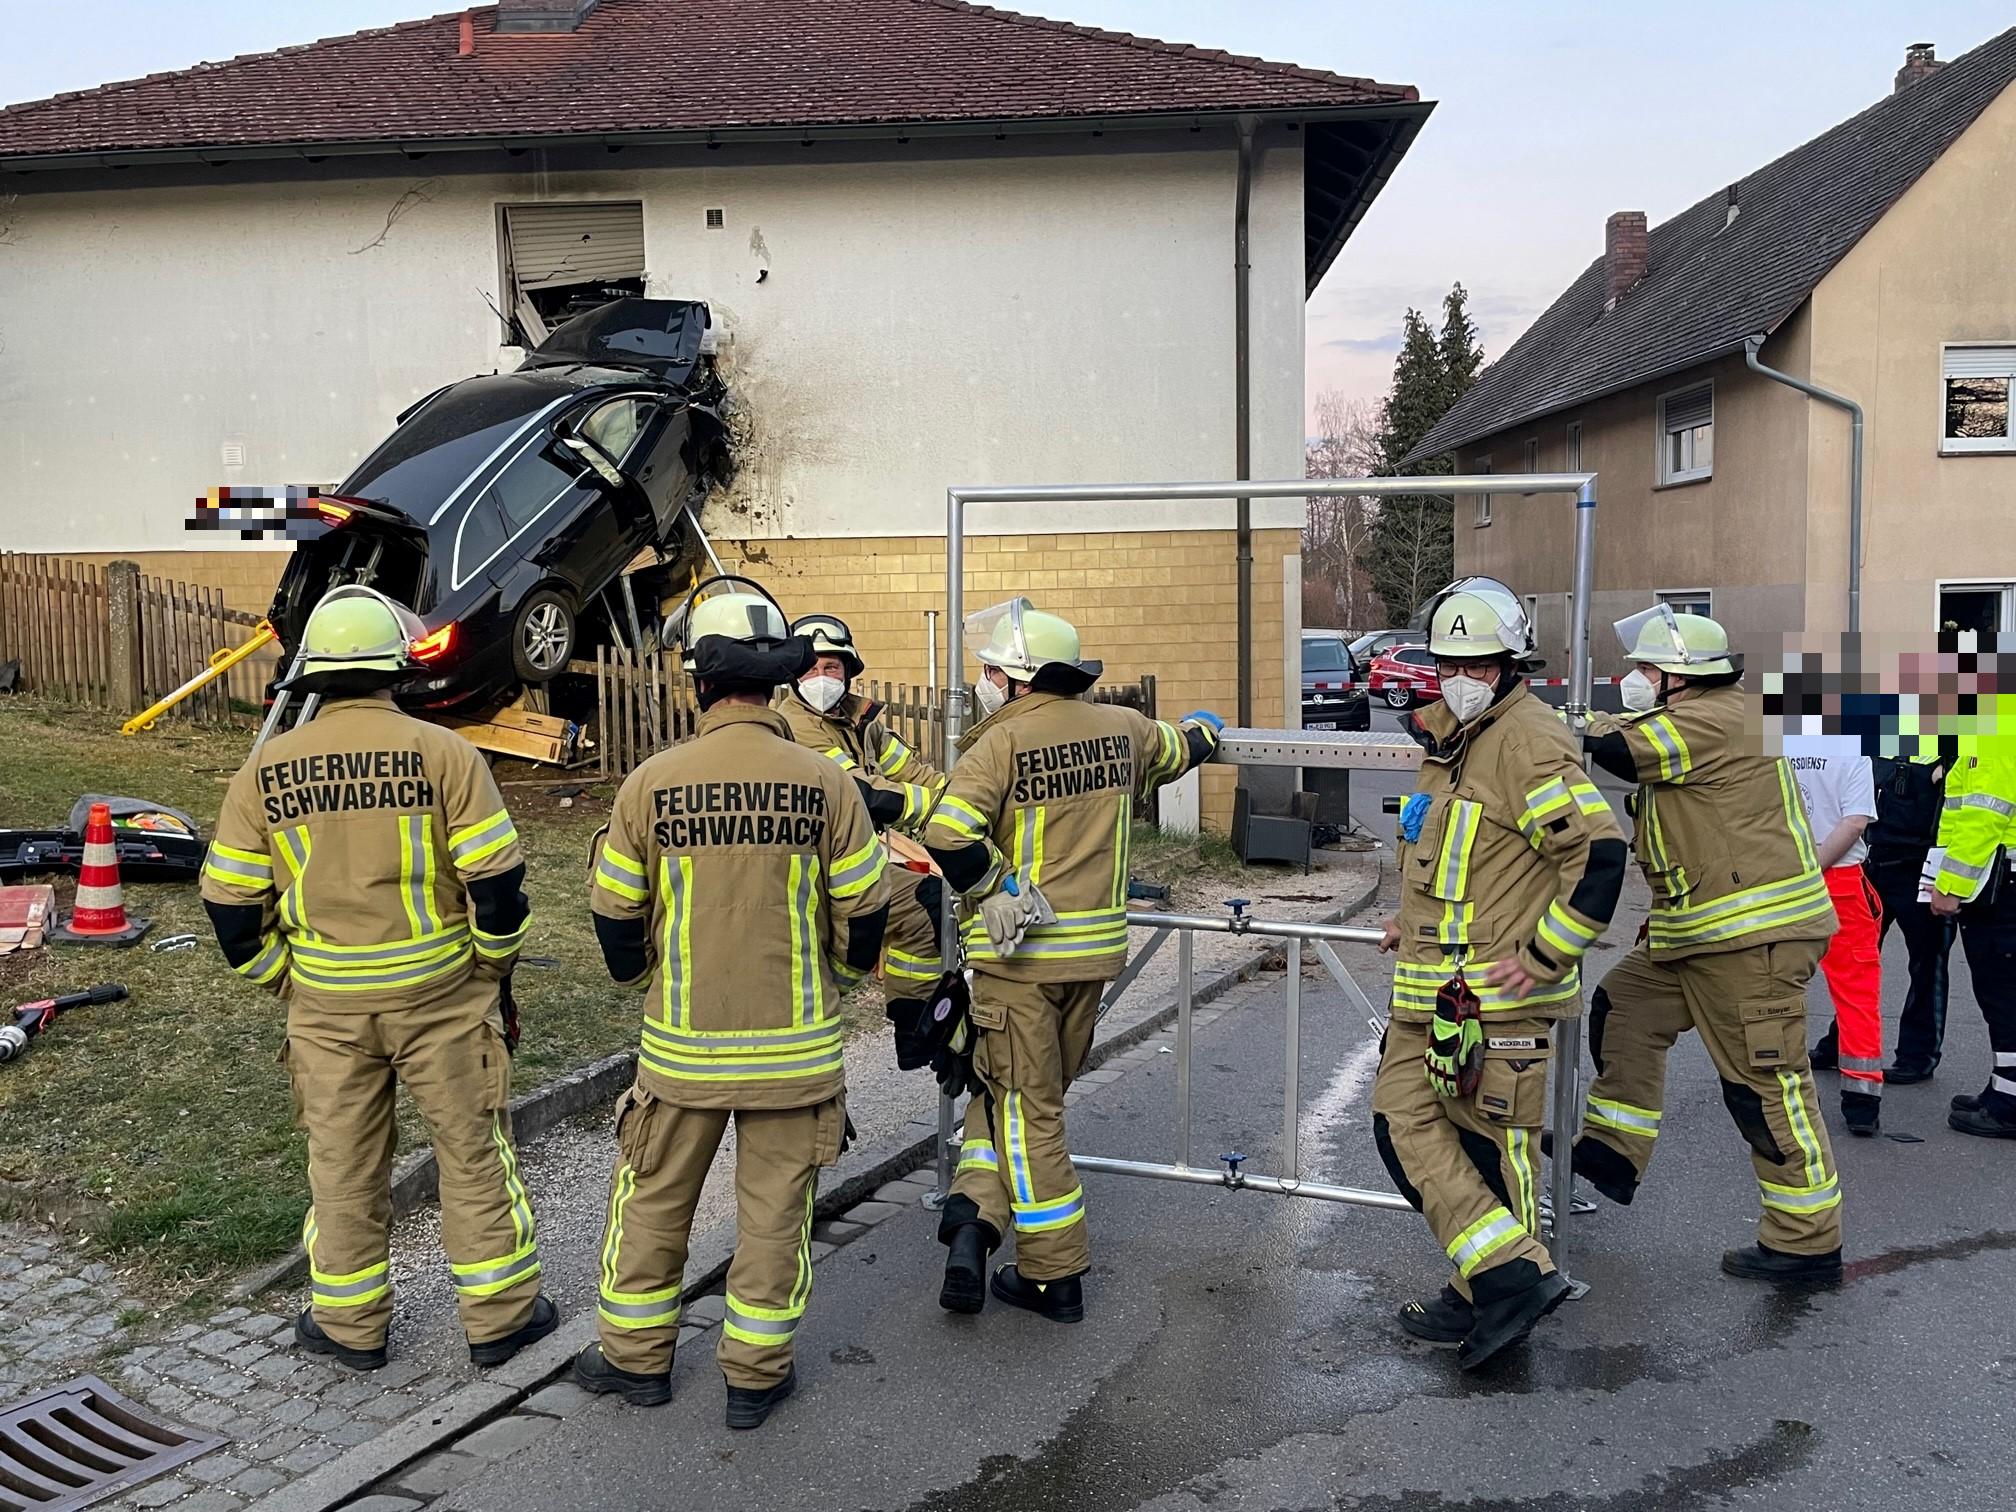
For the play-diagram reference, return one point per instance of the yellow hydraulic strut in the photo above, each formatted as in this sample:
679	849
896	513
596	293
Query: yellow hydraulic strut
220	663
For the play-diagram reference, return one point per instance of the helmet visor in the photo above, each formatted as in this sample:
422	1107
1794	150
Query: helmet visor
1655	636
996	637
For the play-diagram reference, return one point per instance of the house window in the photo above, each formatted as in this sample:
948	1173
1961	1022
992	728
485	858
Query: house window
1482	516
1572	454
1530	456
1699	601
1977	606
1978	414
559	260
1687	434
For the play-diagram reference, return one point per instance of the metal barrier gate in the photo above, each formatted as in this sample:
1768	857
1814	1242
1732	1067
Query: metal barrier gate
1283	747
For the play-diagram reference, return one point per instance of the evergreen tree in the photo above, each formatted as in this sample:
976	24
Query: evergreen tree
1411	549
1462	357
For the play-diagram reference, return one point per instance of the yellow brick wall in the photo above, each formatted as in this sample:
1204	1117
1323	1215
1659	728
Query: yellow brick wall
1164	602
1144	601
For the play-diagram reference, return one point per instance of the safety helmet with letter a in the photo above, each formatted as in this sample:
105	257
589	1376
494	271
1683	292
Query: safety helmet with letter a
1478	617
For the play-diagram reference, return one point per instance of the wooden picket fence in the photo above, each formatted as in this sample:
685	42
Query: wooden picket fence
116	638
644	703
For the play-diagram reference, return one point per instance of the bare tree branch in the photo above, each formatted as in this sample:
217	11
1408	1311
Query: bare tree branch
1335	587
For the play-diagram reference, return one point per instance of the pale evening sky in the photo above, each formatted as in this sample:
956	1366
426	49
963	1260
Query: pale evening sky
1550	115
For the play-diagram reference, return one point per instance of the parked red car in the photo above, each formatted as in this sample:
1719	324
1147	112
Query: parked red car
1404	677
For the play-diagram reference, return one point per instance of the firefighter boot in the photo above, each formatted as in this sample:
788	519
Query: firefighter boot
1758	1262
308	1334
749	1406
1443	1319
965	1288
544	1319
1061	1301
1503	1321
1862	1114
593	1373
1982	1120
1969	1102
1826	1055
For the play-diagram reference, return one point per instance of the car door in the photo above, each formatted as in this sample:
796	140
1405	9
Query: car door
631	430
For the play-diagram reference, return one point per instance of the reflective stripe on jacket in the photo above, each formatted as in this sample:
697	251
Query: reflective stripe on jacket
852	733
1979	817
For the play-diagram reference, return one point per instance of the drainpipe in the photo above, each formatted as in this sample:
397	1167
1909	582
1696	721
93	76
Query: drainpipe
1750	347
1242	405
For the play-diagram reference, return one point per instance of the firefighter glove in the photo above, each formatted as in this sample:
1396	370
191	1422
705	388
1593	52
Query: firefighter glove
1008	914
1455	1055
508	1006
910	1021
1413	814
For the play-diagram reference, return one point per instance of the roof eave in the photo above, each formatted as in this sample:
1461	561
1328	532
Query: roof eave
1406	123
699	136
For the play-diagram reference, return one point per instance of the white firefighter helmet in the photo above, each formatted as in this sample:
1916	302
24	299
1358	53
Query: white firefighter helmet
355	628
1024	641
1687	645
1477	617
738	612
831	637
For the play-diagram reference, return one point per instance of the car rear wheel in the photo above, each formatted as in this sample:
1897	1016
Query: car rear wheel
542	637
1397	696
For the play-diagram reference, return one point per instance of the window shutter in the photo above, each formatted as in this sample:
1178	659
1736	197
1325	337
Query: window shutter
569	244
1686	410
1980	362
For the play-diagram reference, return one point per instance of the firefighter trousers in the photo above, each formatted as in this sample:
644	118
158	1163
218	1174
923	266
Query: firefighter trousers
1749	1005
1469	1165
345	1066
1853	966
663	1155
1014	1164
910	961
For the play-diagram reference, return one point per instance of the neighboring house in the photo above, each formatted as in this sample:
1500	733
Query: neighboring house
1880	262
942	244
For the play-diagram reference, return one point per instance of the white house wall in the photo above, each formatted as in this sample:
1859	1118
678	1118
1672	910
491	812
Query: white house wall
1039	312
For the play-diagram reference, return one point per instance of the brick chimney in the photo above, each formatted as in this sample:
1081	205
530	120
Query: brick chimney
541	15
1626	246
1919	63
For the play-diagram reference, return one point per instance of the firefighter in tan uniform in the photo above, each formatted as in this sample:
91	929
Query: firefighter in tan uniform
740	873
365	869
1032	831
1510	865
1740	917
827	716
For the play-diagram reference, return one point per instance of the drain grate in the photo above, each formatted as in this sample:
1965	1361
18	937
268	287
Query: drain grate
81	1442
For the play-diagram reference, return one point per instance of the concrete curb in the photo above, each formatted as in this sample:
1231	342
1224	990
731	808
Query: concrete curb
416	1180
355	1471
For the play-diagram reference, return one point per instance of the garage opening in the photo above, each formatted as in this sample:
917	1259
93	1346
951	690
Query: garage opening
562	260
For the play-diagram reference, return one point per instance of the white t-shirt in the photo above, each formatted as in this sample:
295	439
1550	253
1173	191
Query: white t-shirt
1835	780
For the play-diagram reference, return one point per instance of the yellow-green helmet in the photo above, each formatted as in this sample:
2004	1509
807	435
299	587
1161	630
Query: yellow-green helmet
358	629
1477	617
1685	645
1024	641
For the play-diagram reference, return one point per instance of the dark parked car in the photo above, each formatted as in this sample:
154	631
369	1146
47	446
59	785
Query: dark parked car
1329	701
502	506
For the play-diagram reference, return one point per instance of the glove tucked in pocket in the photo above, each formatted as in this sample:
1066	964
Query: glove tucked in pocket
1454	1059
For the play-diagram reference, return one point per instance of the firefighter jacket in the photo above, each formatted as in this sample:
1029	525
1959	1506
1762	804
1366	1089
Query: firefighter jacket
741	874
852	733
366	858
1979	818
1045	788
1517	857
1721	833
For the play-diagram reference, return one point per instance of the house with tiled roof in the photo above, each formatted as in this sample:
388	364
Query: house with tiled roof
942	243
1876	262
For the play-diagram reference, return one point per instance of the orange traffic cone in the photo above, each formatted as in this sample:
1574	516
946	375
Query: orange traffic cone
99	915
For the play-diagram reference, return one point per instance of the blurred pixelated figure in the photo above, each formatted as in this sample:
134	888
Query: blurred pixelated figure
294	511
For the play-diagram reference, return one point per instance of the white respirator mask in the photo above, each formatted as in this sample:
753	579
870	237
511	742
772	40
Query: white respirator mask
823	692
991	695
1638	691
1467	697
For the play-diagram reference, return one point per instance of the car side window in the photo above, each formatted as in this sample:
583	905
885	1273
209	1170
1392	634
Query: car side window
529	486
615	426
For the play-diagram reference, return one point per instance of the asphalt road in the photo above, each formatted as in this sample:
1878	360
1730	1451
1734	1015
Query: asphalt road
1240	1350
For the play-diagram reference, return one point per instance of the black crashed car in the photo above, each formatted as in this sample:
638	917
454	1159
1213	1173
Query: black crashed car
503	506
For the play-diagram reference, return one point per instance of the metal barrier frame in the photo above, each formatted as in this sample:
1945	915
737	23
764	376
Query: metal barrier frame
1567	1106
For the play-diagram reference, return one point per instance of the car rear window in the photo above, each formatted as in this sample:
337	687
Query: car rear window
1324	656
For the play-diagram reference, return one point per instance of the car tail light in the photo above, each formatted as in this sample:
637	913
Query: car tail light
434	646
332	513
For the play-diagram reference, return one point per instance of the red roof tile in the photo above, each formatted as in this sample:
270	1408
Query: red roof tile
670	65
